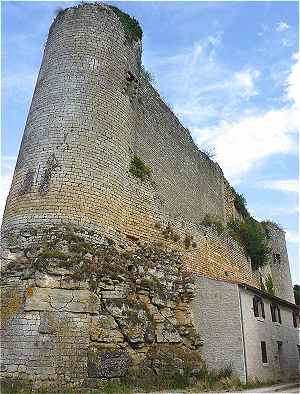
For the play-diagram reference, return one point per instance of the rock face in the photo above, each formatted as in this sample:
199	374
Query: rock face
76	310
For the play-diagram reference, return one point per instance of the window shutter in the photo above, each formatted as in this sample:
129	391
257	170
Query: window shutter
295	319
255	307
279	314
272	312
262	309
264	356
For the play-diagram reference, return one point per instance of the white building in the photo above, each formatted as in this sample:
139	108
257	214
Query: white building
254	331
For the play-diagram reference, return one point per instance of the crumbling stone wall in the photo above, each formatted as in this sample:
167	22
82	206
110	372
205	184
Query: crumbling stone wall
76	311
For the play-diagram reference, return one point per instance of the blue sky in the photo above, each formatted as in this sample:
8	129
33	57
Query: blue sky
229	70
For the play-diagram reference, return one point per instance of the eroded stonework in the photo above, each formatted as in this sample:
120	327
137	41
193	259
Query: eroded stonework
75	311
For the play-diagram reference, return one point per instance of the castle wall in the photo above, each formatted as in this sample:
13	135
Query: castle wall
91	111
189	183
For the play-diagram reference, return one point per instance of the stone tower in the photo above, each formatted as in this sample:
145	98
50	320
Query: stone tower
279	267
74	155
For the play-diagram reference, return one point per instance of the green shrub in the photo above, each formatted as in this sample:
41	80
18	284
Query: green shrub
265	223
138	168
132	28
269	285
251	235
240	205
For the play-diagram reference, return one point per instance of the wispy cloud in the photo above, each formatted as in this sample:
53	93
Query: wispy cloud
283	185
241	145
198	100
218	111
282	26
293	82
245	80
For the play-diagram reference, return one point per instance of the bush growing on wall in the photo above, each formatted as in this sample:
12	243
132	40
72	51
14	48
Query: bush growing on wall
138	168
269	285
131	26
251	235
240	204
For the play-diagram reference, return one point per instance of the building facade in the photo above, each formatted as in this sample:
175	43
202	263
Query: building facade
254	332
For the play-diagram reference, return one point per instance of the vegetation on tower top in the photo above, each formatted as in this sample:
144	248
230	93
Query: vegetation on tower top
131	26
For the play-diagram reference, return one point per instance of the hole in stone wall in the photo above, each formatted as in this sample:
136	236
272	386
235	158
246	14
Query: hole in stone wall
130	87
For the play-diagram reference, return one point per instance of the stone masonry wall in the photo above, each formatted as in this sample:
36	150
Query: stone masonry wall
279	264
188	182
74	156
91	111
74	312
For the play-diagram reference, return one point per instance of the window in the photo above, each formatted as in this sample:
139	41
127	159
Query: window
264	357
276	257
275	313
296	319
258	307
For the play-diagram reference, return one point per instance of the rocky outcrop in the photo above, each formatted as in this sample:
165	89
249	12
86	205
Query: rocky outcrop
70	298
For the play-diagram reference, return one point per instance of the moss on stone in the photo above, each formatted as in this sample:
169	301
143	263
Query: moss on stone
11	303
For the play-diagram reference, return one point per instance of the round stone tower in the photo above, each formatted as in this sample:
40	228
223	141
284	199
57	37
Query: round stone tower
279	266
75	152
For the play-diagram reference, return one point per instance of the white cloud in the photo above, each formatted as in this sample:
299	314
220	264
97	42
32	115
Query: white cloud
202	85
242	145
19	85
282	26
286	210
293	82
283	185
244	81
292	236
214	107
